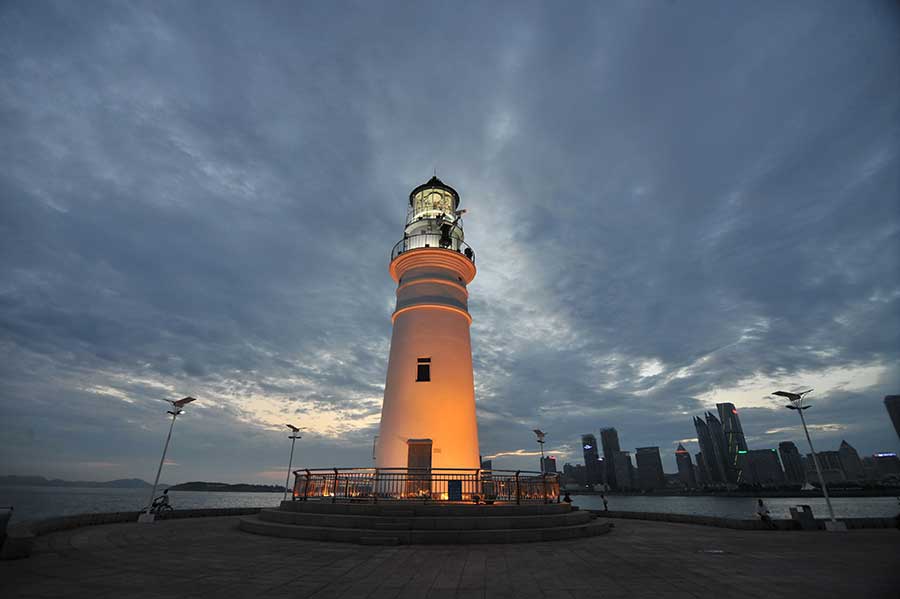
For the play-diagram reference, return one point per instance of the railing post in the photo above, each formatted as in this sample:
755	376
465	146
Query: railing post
518	495
306	490
334	490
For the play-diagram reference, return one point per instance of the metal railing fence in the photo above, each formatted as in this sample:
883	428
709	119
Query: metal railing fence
425	484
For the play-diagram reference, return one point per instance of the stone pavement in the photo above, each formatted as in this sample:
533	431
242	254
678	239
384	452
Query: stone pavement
210	557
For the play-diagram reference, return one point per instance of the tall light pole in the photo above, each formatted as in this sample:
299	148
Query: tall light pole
540	439
175	411
294	436
796	400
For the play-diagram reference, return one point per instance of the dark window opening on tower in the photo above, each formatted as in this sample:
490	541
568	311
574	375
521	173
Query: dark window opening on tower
423	371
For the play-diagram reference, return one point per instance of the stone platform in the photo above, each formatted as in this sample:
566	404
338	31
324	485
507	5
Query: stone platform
211	558
411	523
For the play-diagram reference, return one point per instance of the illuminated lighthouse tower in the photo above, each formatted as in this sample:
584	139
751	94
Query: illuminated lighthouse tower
428	415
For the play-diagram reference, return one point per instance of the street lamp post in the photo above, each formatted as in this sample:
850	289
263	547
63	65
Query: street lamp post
540	439
294	436
796	400
175	411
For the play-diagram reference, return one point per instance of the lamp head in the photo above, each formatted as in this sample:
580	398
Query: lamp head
293	428
183	402
540	435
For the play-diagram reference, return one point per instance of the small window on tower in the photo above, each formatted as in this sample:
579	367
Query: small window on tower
423	370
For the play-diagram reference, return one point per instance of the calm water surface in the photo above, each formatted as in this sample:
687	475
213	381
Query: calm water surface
44	502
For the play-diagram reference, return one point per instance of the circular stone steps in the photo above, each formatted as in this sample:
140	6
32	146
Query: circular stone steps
390	524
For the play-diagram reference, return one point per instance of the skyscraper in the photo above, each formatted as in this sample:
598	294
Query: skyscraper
761	467
685	467
720	446
850	462
624	470
592	464
793	464
735	444
712	465
649	467
702	472
609	437
892	404
548	465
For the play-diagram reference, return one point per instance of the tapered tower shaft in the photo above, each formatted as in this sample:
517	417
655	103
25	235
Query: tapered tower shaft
428	415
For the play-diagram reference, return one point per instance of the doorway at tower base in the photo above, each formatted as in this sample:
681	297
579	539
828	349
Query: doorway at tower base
472	485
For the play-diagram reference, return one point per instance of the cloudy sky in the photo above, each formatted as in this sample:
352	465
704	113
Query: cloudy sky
672	204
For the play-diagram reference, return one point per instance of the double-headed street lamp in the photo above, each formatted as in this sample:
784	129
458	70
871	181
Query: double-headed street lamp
796	404
540	439
175	411
294	436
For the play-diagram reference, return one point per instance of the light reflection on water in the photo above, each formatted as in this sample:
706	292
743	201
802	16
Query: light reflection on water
743	507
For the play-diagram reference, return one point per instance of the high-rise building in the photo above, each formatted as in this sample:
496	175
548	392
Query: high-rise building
428	415
720	446
850	462
649	467
761	467
702	472
888	464
685	467
624	470
592	464
892	404
574	474
548	464
830	463
792	462
712	465
735	444
609	438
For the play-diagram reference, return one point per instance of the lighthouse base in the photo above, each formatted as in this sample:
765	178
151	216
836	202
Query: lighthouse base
407	522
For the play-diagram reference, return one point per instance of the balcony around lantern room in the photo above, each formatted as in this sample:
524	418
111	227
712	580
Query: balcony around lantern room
428	233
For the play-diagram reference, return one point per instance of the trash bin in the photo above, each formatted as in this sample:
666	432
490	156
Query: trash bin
802	514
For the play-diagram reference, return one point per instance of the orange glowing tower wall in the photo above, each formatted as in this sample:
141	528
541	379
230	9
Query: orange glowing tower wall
428	415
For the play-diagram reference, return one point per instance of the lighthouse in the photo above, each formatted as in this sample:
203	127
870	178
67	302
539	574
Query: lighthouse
428	415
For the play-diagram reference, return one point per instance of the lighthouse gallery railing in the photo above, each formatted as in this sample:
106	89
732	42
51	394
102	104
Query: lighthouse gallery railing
434	484
433	240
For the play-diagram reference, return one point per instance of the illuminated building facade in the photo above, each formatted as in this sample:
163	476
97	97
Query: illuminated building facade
428	414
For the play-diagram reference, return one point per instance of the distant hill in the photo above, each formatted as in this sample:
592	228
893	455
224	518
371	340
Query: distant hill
225	487
40	481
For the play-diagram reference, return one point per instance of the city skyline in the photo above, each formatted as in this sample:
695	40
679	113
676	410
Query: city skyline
673	206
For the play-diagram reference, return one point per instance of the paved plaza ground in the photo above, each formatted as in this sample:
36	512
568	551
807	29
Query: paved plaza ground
210	557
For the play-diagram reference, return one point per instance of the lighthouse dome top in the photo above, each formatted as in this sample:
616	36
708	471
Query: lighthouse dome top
437	193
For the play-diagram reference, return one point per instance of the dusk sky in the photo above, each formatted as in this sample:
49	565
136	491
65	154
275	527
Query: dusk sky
672	204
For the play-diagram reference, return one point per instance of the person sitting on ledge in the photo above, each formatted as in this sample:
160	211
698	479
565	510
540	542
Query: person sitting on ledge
763	512
567	499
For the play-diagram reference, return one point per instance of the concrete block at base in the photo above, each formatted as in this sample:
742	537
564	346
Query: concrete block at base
146	518
836	526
